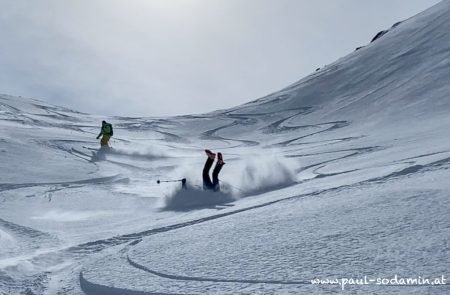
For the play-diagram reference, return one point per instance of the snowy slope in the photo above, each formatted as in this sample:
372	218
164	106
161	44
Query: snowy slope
343	174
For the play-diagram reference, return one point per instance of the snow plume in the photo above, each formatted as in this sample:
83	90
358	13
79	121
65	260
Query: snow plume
255	174
194	197
260	173
149	153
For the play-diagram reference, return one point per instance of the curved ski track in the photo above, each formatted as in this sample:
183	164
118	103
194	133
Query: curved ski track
135	238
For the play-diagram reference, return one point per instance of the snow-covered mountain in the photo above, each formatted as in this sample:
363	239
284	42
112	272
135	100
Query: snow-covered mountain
341	175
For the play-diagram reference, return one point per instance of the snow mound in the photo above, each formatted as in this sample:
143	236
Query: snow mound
195	198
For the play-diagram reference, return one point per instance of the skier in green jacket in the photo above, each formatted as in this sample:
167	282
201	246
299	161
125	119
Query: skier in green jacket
106	133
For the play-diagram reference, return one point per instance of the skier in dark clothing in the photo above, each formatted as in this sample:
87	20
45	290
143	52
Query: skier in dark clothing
207	183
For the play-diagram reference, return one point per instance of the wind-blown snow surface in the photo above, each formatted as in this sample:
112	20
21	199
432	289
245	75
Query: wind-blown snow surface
341	175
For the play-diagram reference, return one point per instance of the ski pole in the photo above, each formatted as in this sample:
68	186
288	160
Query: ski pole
183	182
177	180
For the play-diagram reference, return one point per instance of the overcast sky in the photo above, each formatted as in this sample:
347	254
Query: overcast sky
169	57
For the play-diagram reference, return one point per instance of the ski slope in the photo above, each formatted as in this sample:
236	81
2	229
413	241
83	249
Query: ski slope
343	174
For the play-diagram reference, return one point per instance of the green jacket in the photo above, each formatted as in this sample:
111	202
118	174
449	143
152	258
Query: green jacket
107	129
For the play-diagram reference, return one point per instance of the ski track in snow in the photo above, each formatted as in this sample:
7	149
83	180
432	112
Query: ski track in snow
86	249
79	252
100	180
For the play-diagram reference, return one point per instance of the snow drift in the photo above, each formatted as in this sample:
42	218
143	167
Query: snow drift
196	198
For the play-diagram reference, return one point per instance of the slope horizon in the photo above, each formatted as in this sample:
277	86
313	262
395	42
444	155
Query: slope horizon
94	73
289	85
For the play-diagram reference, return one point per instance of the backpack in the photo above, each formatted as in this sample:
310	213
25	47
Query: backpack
108	129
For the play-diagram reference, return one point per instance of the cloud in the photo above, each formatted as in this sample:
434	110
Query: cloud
165	57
